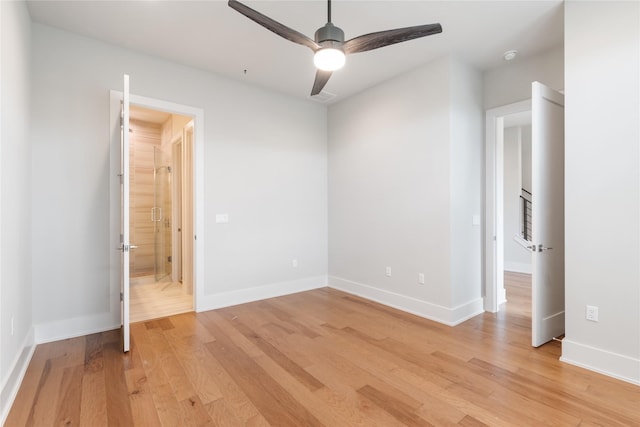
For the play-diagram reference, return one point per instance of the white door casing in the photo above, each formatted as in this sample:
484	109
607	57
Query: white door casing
116	97
494	293
547	158
125	245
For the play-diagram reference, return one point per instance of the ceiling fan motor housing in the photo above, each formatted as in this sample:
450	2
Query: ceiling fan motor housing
329	33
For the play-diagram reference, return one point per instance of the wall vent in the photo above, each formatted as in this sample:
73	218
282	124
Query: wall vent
323	97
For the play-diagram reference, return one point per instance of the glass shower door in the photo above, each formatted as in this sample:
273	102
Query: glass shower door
161	215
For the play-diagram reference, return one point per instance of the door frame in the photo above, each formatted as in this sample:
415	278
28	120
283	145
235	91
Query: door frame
198	191
493	238
176	214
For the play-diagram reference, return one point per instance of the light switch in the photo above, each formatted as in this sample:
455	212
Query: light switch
222	218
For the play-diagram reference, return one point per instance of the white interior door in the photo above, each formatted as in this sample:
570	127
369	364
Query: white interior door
547	161
125	245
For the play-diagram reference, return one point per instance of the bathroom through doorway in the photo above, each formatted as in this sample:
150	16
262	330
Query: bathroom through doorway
161	213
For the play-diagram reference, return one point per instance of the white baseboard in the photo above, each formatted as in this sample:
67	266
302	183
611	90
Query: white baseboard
448	315
502	296
605	362
19	367
76	327
85	325
517	267
257	293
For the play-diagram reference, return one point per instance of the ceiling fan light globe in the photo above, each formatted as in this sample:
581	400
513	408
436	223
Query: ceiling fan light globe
329	59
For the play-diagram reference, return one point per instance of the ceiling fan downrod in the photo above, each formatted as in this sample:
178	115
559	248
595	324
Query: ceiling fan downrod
328	35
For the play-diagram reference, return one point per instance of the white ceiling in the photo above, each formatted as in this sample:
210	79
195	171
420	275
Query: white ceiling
211	36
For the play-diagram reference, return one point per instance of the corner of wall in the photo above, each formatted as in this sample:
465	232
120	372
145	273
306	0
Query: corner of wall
75	327
450	316
17	342
17	371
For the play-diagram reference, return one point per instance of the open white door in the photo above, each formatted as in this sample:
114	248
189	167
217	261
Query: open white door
547	158
125	246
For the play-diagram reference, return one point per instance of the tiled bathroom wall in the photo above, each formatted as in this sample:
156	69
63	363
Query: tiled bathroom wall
143	138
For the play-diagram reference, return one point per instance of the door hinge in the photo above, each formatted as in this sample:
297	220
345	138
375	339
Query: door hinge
169	258
121	297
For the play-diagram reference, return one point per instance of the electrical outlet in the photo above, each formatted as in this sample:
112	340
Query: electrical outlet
592	313
387	271
421	278
294	263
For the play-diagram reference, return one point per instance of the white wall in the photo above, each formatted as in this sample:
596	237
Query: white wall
264	161
466	150
15	204
516	257
602	193
512	82
403	173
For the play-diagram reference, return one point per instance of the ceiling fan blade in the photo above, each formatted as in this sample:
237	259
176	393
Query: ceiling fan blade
274	26
322	77
385	38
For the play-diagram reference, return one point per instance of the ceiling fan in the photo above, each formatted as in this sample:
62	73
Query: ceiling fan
329	46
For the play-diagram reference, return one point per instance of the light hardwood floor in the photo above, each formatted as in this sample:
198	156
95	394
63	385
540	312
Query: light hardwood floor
316	358
150	300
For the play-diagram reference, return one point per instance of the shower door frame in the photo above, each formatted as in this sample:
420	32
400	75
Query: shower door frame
161	214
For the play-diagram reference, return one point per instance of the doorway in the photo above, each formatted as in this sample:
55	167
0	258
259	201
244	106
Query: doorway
161	202
494	248
547	211
516	213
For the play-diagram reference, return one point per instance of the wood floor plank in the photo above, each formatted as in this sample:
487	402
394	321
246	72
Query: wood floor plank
195	362
93	361
43	406
519	404
270	398
321	357
277	356
118	405
167	381
469	421
93	406
68	413
194	413
407	386
550	397
221	414
30	388
143	409
398	409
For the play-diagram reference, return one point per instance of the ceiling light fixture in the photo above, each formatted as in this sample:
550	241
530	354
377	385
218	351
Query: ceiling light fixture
510	55
329	59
